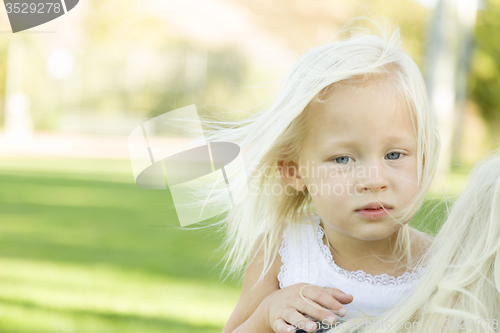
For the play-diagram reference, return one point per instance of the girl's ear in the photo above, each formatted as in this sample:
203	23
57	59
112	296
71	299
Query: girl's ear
290	174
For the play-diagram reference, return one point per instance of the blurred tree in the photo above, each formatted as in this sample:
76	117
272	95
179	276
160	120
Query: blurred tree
133	61
484	83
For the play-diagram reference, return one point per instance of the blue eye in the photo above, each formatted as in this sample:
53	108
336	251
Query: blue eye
342	157
345	159
394	152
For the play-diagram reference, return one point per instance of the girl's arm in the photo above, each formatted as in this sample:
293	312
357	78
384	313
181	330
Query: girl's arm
250	312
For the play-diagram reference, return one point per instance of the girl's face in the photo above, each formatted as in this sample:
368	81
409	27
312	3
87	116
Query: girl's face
361	149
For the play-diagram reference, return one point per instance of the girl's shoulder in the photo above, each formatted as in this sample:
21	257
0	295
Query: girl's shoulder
300	252
301	235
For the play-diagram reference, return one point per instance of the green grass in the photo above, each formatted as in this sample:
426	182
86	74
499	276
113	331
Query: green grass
83	249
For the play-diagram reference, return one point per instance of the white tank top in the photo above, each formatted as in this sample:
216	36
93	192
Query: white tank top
306	259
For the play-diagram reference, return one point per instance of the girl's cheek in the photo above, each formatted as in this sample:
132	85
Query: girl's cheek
337	186
408	181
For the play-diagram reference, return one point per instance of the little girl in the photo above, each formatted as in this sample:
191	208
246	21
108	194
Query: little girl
337	167
460	288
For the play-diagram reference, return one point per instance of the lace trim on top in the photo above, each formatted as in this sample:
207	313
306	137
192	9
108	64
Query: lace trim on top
284	273
362	276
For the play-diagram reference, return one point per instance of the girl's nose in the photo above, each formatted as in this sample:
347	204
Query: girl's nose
372	187
376	180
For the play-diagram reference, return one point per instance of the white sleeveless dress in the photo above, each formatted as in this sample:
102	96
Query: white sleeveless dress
306	259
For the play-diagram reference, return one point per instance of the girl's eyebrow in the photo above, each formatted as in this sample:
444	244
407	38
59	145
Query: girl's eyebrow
346	143
340	143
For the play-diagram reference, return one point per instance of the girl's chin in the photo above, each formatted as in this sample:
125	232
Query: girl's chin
373	233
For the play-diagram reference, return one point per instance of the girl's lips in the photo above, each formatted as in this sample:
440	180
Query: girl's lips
373	214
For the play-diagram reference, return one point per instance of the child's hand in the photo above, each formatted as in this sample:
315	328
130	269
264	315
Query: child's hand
287	306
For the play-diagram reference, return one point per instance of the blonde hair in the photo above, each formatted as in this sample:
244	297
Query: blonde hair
461	280
278	131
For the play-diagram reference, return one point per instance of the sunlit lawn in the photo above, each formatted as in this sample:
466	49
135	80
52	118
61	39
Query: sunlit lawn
83	249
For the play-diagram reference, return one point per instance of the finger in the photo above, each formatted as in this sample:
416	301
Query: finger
282	326
316	311
324	299
298	321
339	295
